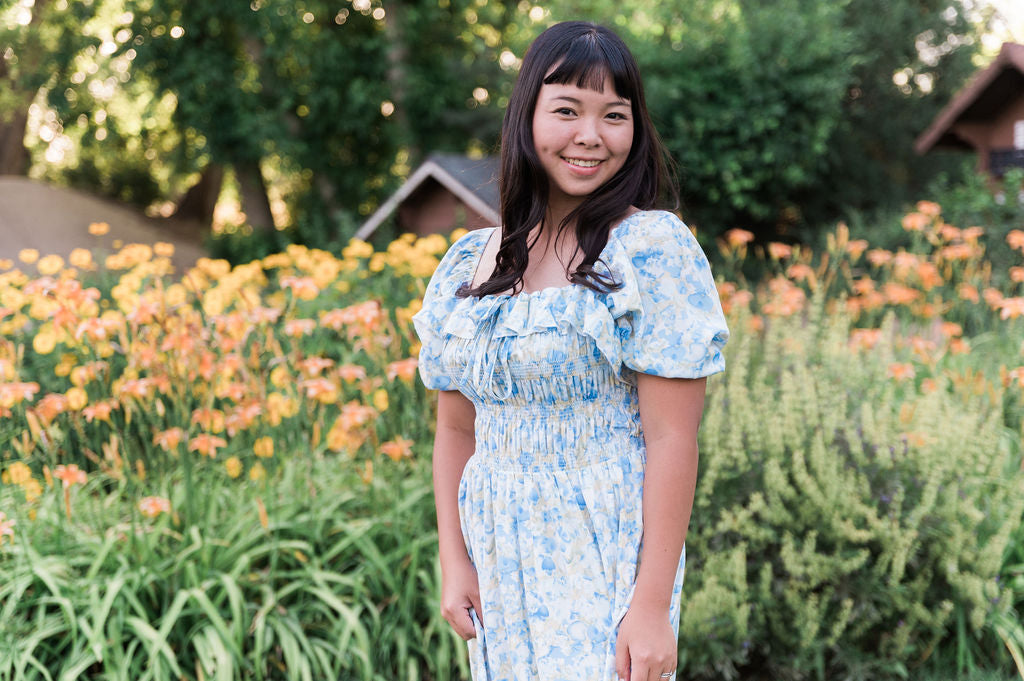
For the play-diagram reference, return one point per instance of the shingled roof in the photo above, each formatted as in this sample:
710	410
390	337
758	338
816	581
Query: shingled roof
979	101
473	181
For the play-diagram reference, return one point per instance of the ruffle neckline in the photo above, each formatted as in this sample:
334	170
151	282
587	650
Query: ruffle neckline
570	307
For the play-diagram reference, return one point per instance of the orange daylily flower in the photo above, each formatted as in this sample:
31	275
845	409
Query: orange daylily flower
959	346
1011	307
777	250
856	247
313	366
151	507
70	474
915	222
879	256
737	237
900	371
898	294
1015	238
206	444
398	448
351	372
299	327
320	389
968	292
950	329
404	369
169	439
865	339
993	297
304	288
971	234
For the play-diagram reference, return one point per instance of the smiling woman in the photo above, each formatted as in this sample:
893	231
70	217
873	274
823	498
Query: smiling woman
565	458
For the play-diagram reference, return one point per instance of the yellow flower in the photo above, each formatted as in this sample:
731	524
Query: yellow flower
98	228
81	258
175	295
280	376
264	447
28	255
45	340
357	248
80	376
233	466
50	264
163	248
65	366
280	407
380	399
77	398
33	490
257	472
6	263
19	473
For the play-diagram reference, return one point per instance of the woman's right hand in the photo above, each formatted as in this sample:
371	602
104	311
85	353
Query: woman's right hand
460	591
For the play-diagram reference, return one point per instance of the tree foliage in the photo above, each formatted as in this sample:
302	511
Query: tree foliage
781	115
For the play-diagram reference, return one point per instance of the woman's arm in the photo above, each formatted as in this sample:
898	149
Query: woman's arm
454	444
670	412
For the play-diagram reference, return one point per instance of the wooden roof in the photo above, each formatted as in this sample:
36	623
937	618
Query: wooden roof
987	93
473	181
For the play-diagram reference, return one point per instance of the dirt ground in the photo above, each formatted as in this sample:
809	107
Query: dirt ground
55	220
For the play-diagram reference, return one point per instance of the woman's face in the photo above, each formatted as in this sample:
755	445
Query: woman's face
582	137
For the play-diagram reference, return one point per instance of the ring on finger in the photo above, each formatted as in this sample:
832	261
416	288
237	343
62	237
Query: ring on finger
667	675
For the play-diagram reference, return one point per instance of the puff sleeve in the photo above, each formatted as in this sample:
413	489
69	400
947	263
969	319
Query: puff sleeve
677	328
438	302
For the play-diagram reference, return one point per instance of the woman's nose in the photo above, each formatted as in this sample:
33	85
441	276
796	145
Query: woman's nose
587	132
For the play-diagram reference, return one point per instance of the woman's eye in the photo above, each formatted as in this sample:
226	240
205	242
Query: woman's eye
564	111
617	116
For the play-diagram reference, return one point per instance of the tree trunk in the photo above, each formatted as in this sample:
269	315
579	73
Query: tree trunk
201	198
398	54
13	154
252	191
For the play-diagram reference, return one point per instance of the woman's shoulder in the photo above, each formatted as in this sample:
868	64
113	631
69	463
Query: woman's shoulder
464	251
646	228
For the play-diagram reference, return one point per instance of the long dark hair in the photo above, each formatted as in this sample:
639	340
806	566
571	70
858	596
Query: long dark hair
585	53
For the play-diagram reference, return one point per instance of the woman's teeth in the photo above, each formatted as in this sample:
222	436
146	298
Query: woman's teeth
581	164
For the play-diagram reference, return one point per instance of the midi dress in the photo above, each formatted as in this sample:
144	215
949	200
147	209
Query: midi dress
550	502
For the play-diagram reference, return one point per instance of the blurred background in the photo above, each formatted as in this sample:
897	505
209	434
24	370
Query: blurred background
239	127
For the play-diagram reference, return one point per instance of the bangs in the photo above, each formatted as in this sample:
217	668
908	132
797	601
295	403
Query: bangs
586	64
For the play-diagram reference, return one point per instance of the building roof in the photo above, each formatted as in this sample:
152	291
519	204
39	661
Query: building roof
987	93
473	181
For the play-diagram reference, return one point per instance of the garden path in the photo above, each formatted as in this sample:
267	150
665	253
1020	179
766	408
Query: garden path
55	220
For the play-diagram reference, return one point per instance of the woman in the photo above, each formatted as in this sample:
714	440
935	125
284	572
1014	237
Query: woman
571	387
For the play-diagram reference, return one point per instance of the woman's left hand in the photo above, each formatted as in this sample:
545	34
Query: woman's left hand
646	646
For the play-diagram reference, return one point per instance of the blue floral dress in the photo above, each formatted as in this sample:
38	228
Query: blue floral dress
551	500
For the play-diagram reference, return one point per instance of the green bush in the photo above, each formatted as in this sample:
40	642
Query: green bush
846	525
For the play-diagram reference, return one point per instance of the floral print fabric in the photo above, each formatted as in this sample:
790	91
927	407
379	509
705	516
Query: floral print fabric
551	500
